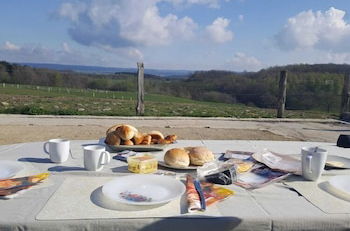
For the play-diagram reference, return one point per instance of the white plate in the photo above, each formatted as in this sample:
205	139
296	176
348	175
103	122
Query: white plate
152	189
345	162
9	168
138	148
191	167
341	185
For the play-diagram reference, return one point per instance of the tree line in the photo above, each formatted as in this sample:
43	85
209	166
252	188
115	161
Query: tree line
309	86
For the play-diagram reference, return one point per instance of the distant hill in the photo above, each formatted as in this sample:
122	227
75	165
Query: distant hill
110	70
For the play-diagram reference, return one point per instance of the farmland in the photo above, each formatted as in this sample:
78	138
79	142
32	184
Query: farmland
39	100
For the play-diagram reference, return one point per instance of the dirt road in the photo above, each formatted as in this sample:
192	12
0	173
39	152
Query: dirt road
25	128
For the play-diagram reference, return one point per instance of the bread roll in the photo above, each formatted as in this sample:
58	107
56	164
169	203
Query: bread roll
112	138
171	138
146	140
126	132
128	142
200	155
113	128
156	135
138	138
177	157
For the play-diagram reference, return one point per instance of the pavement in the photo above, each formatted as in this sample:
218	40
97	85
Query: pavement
27	128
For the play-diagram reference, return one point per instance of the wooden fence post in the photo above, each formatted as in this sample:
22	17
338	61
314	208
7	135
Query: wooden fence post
282	94
140	107
345	100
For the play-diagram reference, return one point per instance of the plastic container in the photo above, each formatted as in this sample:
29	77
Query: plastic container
145	163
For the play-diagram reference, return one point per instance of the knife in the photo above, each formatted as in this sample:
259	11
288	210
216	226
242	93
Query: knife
198	187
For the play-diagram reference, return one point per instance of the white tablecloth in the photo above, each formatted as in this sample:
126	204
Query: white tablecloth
274	207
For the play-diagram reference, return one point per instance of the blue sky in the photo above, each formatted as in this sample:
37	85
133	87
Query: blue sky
176	34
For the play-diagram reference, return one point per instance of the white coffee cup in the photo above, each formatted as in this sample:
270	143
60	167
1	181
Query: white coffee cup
95	157
58	150
313	160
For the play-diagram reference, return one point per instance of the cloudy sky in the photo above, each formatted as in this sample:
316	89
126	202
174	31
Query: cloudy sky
176	34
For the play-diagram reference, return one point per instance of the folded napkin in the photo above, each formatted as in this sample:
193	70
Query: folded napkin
11	186
202	194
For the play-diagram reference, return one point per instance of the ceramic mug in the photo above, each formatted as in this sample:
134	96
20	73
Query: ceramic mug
95	157
58	149
313	160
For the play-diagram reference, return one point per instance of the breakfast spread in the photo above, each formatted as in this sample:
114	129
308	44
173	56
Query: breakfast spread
124	134
183	157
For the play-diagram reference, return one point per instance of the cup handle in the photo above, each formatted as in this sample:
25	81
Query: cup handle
45	148
106	157
308	162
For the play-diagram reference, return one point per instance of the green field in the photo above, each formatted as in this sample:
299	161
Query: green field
39	100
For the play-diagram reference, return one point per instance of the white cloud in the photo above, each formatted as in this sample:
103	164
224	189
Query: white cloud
10	46
209	3
218	32
124	23
36	53
308	29
338	58
243	62
241	17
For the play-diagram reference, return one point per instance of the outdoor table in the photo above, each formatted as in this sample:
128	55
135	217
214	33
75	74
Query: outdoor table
274	207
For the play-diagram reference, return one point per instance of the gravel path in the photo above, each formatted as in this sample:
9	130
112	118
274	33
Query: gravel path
26	128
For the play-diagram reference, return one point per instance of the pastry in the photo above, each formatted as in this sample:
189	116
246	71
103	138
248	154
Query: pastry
128	142
156	135
146	140
138	138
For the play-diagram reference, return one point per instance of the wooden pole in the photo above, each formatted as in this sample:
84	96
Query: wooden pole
140	107
282	94
345	95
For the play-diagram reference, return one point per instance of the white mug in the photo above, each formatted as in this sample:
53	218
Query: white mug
313	160
58	150
95	157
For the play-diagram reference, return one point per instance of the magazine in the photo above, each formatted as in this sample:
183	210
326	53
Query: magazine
259	177
279	162
252	174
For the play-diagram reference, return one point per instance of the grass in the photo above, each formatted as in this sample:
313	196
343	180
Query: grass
26	99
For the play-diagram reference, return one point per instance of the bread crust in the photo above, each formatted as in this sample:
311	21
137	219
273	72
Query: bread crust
200	155
146	140
128	142
156	135
177	157
138	138
126	132
113	138
112	128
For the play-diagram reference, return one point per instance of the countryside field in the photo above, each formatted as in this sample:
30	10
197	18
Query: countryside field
38	100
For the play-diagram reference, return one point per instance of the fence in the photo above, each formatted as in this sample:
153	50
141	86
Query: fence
60	91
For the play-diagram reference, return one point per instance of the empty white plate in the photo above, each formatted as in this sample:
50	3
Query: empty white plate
341	185
9	168
143	189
